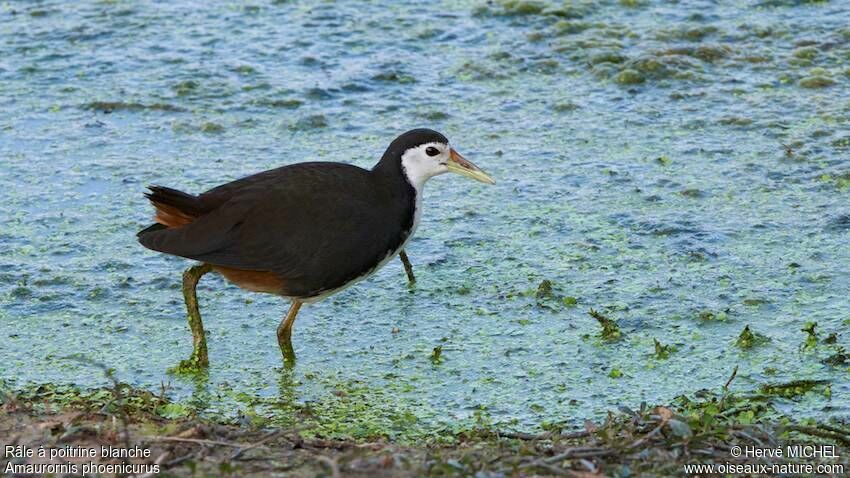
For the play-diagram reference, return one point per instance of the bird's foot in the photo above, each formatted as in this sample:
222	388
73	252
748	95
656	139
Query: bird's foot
197	363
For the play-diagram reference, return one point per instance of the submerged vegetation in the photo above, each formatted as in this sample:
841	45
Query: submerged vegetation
749	339
610	330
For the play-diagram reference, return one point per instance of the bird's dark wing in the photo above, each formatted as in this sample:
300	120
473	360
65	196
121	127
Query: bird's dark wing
316	225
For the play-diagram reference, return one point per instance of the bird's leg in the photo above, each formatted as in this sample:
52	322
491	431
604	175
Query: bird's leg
199	356
408	267
284	333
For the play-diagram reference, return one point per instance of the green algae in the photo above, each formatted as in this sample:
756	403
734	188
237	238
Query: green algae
630	77
816	82
794	389
437	355
692	193
607	57
544	290
808	53
736	121
212	128
534	8
121	398
749	339
610	331
811	341
662	352
309	122
186	87
284	103
707	53
244	70
394	77
565	106
435	115
712	316
110	106
689	32
571	27
840	358
522	7
663	160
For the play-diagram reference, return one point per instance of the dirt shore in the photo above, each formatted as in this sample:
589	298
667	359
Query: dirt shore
120	431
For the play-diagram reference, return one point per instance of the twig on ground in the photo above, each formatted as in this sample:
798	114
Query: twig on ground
574	435
179	460
199	441
818	432
581	452
161	458
542	464
333	464
525	436
732	377
236	454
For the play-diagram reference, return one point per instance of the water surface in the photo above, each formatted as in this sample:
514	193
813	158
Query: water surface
682	168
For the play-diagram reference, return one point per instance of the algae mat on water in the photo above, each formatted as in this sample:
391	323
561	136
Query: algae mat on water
682	170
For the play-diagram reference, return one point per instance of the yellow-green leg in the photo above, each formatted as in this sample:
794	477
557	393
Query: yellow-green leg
199	358
408	267
284	333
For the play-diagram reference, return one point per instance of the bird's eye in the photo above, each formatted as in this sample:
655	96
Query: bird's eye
432	151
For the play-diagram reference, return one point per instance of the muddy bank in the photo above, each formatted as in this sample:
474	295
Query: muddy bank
109	423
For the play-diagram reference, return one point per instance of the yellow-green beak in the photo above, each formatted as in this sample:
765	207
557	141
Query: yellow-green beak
458	164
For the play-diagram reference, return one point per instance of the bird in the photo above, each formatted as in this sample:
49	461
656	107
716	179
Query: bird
302	231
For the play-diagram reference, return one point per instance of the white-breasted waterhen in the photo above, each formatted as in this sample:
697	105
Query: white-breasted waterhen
302	231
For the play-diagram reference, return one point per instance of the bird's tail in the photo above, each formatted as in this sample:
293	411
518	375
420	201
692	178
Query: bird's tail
173	208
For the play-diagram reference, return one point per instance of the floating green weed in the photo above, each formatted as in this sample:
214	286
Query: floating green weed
711	316
173	410
749	339
610	330
437	355
565	106
663	352
210	127
544	290
811	341
185	87
792	389
630	77
816	82
840	357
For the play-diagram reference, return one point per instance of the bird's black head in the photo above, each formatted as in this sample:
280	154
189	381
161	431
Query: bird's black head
420	154
412	139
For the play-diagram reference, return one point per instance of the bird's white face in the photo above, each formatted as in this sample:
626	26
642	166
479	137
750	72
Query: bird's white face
430	159
424	162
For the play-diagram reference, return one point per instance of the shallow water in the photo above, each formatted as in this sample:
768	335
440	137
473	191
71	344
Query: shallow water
661	164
